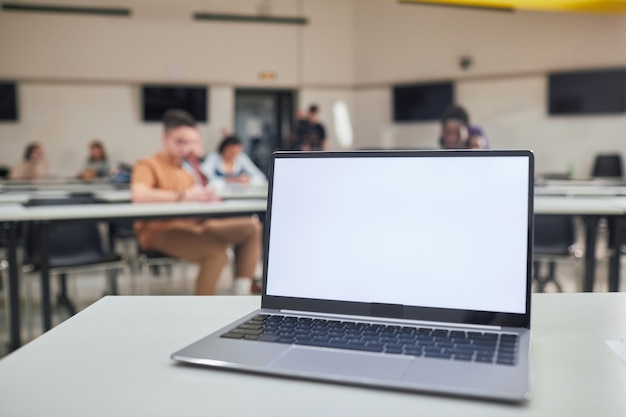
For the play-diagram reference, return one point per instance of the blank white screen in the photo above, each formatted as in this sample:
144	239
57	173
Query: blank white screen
447	232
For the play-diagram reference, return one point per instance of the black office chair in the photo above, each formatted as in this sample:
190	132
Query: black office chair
5	172
72	247
555	239
153	263
607	166
146	263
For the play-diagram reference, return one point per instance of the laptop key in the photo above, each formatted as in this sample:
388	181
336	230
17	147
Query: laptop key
413	350
462	357
269	337
232	335
442	355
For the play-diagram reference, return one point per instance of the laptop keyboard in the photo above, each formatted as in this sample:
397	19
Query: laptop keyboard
459	345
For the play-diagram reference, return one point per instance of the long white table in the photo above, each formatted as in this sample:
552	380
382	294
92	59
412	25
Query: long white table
124	196
113	359
590	208
13	215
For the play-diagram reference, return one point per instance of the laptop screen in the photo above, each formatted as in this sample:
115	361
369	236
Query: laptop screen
444	230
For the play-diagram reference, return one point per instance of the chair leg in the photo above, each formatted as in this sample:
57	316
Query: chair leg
552	276
62	298
539	280
112	283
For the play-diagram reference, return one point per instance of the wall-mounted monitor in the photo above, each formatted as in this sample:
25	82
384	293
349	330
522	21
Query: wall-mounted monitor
8	102
587	92
421	102
157	99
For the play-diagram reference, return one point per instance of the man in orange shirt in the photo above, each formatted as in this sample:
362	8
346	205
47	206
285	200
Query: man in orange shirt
161	178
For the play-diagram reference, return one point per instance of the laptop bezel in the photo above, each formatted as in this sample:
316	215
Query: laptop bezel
472	317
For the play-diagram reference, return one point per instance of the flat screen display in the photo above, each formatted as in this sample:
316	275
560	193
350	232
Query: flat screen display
589	92
8	101
440	232
421	102
157	99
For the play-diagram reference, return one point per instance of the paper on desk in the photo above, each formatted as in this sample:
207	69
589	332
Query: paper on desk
618	347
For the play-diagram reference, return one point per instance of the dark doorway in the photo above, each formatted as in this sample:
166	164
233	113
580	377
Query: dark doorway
263	120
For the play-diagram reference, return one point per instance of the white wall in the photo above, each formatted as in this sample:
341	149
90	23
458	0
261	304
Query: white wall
504	90
79	76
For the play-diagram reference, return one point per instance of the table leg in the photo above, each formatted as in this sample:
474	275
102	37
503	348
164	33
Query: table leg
616	236
44	253
591	237
15	342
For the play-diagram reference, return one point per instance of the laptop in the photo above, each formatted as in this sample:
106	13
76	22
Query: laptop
402	270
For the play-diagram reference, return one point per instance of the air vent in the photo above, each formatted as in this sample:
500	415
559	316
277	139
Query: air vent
284	20
51	8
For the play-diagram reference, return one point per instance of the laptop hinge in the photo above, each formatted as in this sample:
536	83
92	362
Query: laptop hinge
389	320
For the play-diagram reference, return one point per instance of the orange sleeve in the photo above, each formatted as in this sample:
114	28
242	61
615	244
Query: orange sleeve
143	174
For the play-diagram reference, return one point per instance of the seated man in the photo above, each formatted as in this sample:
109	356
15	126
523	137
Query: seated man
161	178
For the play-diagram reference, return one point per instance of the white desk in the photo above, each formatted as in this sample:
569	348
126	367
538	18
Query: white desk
591	209
132	211
113	359
12	215
124	196
588	205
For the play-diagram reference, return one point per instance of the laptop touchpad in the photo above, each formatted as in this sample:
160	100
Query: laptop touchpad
333	362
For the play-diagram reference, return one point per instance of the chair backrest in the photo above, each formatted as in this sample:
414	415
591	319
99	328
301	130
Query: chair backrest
4	172
69	243
554	234
608	165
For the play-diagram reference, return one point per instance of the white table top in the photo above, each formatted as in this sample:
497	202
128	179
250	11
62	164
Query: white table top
124	196
113	359
587	190
544	204
597	205
227	193
106	211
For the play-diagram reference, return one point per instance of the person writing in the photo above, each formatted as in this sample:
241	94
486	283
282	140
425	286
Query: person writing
97	164
231	165
161	178
33	165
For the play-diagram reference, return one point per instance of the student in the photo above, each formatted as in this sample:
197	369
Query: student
231	165
161	178
97	164
454	128
33	165
309	133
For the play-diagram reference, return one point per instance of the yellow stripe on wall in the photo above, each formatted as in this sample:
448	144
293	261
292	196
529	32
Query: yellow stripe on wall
591	6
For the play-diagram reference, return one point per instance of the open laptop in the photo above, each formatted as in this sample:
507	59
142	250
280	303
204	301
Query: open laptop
407	270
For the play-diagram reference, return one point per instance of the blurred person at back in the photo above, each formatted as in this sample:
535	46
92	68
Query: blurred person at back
230	165
454	128
477	138
161	178
309	133
97	164
33	165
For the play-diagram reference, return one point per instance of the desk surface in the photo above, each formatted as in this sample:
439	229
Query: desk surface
113	359
111	195
16	213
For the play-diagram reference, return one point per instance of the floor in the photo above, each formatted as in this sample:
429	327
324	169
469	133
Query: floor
85	289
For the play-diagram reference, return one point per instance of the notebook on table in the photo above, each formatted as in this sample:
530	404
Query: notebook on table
404	270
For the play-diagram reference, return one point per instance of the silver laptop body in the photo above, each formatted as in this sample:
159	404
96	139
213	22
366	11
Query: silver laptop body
434	240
